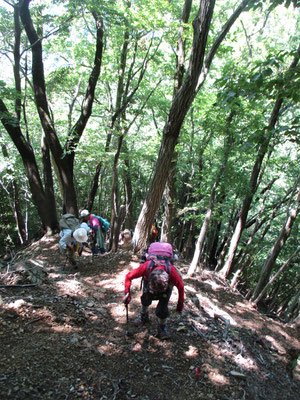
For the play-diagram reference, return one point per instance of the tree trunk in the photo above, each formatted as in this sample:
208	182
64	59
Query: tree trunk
13	193
18	213
117	228
64	162
115	217
266	137
209	212
276	248
293	309
187	250
129	218
285	265
170	190
179	108
225	271
40	200
169	204
194	79
17	29
245	258
48	181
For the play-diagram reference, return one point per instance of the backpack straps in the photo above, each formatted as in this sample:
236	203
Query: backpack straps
154	264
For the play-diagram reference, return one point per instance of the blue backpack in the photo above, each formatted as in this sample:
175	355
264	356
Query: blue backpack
103	222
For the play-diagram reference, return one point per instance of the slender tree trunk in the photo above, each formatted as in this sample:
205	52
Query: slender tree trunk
123	99
19	215
276	248
225	271
13	197
284	266
169	204
202	234
94	187
248	251
17	28
48	181
187	250
209	212
129	218
294	308
117	228
115	220
266	137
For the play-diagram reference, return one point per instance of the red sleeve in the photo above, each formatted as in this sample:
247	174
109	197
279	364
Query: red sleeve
135	273
176	279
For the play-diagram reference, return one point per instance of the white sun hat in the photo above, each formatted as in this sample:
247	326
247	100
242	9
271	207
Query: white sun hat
85	226
84	213
80	235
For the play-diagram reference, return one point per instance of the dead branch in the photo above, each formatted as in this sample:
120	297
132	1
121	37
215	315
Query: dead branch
25	285
226	321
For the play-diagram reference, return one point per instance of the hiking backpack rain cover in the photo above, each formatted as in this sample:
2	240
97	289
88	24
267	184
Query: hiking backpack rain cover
160	254
163	250
69	221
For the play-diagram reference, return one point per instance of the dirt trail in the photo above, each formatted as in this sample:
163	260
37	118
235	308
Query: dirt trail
66	338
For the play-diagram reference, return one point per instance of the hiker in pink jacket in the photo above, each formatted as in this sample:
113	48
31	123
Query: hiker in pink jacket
98	242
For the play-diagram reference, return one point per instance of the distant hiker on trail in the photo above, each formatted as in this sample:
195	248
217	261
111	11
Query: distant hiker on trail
72	235
125	238
154	234
159	277
99	226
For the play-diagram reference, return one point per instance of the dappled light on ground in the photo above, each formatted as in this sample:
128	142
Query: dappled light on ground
69	338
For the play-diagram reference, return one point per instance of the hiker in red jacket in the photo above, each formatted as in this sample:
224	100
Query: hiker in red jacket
159	280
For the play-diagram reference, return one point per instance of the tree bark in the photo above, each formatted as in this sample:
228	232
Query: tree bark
179	108
64	162
181	103
170	190
48	182
40	200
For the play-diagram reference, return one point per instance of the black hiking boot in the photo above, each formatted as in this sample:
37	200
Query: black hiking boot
163	332
141	319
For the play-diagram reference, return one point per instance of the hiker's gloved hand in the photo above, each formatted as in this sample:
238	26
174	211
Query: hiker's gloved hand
179	306
126	298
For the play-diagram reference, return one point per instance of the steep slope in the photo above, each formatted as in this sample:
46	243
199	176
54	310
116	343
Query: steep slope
66	336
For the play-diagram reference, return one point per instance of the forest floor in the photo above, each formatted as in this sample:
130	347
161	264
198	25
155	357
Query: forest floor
68	336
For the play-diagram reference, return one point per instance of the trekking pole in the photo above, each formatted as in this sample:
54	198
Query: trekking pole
127	333
76	250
